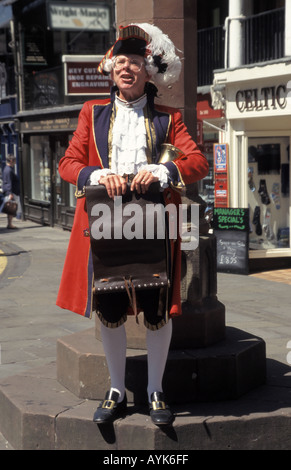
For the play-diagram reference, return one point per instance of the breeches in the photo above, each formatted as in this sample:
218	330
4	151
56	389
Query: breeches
112	309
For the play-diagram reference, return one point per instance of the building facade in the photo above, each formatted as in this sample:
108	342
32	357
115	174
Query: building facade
249	110
49	51
56	47
8	94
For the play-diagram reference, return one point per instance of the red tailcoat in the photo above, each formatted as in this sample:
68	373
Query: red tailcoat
87	152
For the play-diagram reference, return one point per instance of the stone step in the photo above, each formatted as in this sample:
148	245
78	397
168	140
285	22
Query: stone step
222	371
38	413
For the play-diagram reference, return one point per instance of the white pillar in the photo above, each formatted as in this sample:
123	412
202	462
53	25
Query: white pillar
287	28
235	37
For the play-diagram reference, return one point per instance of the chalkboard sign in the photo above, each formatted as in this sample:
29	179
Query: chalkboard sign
231	228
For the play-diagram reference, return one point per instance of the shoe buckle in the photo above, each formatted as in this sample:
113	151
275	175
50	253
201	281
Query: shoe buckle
159	405
108	404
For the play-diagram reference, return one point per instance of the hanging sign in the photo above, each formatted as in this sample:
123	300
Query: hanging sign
220	158
221	191
78	16
82	78
34	46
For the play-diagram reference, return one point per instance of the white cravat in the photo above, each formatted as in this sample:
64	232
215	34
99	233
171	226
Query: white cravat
129	142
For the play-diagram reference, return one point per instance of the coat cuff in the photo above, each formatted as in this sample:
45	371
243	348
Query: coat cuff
176	180
83	179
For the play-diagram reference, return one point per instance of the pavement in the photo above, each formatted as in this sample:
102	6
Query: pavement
31	261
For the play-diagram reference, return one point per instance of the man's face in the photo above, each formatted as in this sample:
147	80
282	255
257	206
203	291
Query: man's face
130	76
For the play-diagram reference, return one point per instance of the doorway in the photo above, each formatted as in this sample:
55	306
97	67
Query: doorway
59	144
269	192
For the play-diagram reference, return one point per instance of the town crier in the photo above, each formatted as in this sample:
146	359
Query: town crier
117	137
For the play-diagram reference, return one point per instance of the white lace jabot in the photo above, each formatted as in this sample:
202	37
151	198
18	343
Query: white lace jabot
129	142
128	137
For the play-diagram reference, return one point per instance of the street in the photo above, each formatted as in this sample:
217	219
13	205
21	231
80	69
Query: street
32	258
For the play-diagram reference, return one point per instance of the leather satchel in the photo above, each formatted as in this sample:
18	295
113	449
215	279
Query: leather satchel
129	252
10	208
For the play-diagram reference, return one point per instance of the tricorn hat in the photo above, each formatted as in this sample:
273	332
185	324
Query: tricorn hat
148	41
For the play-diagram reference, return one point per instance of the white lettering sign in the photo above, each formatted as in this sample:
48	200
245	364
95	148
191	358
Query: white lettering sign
266	98
78	17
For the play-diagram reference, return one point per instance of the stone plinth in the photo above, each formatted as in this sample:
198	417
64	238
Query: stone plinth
223	371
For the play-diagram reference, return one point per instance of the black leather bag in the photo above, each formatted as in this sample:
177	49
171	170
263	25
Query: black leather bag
10	208
122	262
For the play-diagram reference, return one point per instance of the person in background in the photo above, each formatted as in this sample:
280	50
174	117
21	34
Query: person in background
10	185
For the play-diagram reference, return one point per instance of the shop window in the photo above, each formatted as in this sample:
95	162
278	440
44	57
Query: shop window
72	197
40	173
72	188
211	13
269	192
42	48
206	186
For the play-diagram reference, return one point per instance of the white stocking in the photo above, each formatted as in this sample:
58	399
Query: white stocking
114	345
158	343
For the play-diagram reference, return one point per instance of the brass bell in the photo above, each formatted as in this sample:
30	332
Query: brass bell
169	153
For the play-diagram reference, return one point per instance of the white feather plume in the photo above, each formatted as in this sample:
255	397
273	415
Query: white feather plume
161	45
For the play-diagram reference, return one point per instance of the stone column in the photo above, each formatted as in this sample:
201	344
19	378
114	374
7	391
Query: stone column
234	34
202	322
177	18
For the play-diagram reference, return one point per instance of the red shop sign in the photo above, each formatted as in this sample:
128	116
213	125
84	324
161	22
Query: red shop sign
220	157
82	78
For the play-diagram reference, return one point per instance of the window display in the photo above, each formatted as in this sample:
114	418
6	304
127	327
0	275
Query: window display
40	168
268	192
206	186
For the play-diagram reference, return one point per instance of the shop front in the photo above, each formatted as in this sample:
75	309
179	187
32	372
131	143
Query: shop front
8	139
56	50
45	135
210	131
46	198
257	103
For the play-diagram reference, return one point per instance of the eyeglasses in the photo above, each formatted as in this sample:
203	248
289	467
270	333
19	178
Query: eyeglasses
134	64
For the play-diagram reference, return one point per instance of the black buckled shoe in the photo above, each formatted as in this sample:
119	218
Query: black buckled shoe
109	409
160	412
